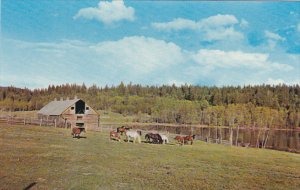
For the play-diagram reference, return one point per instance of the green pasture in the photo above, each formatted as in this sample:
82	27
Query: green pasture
49	158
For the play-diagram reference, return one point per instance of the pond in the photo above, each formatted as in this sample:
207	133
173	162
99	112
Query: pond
284	140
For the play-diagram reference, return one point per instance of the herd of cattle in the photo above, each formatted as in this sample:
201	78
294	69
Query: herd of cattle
154	138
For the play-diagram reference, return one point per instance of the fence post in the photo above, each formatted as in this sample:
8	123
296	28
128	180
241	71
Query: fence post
41	122
216	134
55	123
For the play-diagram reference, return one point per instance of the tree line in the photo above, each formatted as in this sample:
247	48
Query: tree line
245	106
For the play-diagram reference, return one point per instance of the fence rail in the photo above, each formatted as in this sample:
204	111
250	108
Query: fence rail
27	121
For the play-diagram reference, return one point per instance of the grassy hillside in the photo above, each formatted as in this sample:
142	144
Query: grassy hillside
48	158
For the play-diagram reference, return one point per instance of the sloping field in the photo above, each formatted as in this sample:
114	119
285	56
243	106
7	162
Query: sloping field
49	158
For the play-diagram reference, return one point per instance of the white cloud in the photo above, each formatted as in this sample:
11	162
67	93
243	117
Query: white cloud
213	28
273	39
217	21
298	27
137	59
139	53
274	81
244	23
177	83
273	36
278	81
235	59
220	27
107	12
237	67
222	34
176	24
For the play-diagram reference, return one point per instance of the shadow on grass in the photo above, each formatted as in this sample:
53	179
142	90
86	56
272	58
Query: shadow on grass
79	137
147	142
117	140
30	186
128	141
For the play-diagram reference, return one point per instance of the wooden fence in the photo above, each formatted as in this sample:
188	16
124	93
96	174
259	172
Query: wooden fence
27	121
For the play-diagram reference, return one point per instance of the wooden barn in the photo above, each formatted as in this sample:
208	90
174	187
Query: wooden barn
70	113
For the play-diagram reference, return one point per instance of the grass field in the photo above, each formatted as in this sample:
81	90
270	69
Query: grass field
112	117
48	158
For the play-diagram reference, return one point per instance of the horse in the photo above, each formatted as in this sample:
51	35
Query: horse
185	139
147	137
139	132
122	129
189	138
134	135
114	135
153	138
164	139
179	139
76	131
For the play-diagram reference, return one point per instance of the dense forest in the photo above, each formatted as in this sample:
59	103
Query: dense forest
247	106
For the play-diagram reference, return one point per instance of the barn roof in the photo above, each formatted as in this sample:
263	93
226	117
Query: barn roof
57	107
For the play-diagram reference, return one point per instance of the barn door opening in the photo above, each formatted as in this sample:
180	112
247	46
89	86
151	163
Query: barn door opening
80	125
80	107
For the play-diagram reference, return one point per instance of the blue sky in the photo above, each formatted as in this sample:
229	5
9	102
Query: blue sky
154	43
